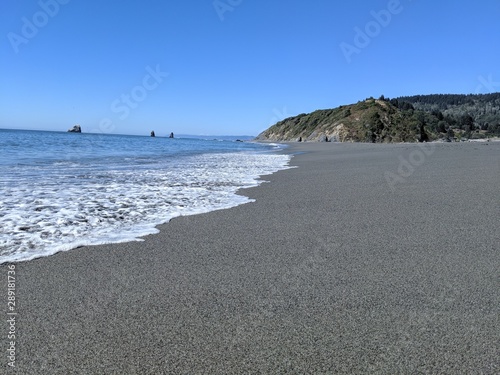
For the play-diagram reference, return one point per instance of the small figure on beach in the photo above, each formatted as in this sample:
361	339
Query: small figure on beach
152	133
171	135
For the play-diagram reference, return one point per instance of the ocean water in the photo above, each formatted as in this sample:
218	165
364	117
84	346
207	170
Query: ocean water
59	190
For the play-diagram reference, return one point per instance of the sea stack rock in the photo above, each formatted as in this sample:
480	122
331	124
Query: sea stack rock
75	129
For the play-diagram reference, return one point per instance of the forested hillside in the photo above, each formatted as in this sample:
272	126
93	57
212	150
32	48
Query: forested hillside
405	119
463	112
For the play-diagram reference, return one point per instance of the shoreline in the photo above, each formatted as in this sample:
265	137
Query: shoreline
131	210
328	271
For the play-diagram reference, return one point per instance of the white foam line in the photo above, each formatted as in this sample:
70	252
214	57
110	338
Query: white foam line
141	199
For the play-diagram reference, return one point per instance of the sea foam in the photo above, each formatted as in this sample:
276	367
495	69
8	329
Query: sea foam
62	205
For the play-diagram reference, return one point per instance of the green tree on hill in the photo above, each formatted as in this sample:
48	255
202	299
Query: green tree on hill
442	126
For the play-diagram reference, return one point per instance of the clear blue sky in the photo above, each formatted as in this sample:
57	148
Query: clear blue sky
234	66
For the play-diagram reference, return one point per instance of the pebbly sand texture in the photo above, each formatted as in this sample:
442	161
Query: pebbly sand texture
329	271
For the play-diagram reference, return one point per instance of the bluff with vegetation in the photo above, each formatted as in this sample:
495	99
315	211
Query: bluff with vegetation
405	119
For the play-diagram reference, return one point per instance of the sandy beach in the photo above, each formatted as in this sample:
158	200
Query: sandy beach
365	259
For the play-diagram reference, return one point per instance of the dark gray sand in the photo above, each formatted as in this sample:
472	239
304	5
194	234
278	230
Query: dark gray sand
331	270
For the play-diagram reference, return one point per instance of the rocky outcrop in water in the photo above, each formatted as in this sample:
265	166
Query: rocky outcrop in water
75	129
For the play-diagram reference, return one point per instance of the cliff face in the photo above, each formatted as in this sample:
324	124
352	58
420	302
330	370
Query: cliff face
367	121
